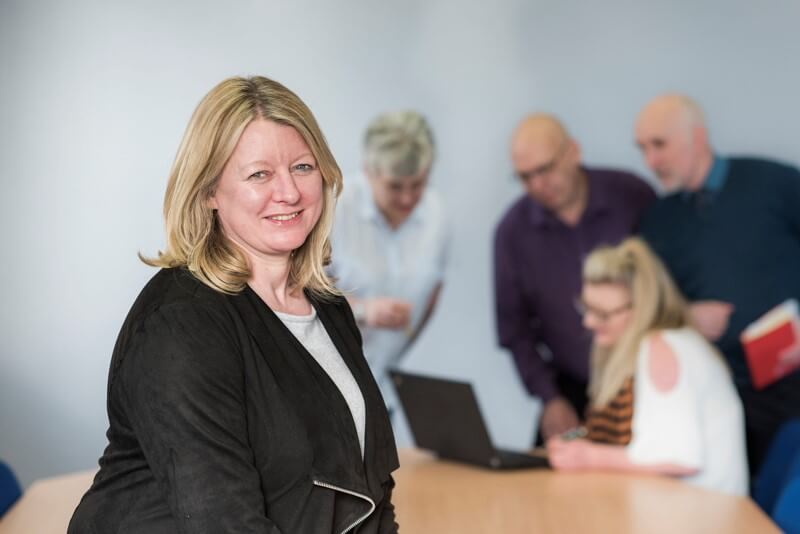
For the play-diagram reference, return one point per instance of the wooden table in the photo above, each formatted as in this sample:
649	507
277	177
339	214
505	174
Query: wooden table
442	498
46	507
433	496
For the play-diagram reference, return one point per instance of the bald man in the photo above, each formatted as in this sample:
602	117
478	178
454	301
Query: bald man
565	212
728	230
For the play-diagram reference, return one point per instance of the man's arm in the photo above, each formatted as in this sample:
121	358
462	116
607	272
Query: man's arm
514	329
710	317
515	333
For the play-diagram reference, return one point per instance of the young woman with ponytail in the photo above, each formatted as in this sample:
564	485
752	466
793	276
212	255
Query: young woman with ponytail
661	397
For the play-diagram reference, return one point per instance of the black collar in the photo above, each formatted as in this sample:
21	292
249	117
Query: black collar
332	434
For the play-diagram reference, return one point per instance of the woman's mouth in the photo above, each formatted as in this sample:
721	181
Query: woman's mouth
284	217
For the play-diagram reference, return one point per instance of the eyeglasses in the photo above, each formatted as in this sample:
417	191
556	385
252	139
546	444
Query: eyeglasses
546	168
603	316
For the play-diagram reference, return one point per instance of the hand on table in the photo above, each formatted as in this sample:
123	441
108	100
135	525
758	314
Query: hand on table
569	455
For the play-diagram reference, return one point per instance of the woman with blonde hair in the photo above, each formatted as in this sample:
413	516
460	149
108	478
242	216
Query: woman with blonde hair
661	398
239	399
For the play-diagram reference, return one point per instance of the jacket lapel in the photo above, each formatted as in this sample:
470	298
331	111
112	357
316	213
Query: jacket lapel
312	393
380	455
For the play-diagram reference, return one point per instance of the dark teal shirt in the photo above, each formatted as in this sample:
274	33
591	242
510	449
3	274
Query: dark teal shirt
715	180
735	240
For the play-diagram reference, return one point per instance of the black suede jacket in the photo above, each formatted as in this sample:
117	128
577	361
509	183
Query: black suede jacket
221	422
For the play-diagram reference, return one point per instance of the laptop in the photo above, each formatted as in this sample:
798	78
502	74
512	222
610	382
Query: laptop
444	417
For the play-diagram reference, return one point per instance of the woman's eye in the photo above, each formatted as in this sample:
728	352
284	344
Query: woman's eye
303	168
258	175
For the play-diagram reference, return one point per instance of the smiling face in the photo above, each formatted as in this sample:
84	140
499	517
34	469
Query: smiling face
270	193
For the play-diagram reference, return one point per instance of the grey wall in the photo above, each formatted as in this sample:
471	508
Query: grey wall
95	95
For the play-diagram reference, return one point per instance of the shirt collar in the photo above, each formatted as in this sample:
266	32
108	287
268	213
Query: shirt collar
598	201
715	179
712	183
538	215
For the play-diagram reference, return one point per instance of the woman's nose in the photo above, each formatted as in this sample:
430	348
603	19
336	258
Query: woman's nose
285	190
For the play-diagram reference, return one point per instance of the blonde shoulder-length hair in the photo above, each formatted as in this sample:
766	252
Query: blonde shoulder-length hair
656	304
195	239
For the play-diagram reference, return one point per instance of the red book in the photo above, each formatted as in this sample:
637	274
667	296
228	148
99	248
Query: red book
772	344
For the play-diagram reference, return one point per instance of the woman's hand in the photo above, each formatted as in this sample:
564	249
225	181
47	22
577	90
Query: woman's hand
572	455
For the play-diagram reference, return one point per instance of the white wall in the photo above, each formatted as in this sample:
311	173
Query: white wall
95	95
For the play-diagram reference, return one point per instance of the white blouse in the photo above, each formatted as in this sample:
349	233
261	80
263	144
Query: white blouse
699	423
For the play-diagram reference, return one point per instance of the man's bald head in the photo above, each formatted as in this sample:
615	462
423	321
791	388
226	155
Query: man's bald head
547	161
677	108
538	132
671	133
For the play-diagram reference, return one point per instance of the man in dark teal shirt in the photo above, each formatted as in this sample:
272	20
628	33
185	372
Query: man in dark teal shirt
728	229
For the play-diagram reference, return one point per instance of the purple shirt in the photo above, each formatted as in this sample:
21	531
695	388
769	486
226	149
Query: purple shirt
538	262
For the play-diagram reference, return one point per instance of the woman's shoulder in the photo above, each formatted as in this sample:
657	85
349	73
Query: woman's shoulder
175	287
176	314
177	283
660	360
678	339
174	300
670	355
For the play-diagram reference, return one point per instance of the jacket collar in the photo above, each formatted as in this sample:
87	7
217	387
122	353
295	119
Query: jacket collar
332	434
379	443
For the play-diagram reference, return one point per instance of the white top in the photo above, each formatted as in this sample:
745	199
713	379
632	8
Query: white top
370	259
310	332
698	424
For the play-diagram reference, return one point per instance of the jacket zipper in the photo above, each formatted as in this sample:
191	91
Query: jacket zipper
353	493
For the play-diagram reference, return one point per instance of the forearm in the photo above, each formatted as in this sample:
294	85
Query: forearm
536	374
513	319
615	458
431	305
357	305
